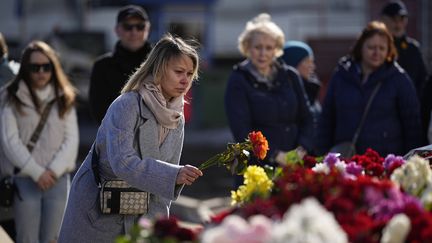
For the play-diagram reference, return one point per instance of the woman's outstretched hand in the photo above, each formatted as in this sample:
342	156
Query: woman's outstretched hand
188	174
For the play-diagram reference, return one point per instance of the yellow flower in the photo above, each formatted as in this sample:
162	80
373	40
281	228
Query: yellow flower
256	184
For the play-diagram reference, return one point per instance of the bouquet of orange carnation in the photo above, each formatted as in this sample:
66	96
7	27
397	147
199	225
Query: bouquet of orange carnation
236	156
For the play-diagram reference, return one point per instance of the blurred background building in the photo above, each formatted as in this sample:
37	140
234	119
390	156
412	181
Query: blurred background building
81	30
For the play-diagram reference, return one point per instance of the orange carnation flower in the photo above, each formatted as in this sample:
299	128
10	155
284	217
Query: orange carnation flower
236	156
259	144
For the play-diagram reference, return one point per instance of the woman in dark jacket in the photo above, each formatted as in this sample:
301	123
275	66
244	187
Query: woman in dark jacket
265	95
392	124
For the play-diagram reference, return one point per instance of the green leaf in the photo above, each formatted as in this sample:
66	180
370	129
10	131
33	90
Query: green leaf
292	157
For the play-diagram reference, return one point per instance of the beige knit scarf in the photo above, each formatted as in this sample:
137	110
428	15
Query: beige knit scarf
167	113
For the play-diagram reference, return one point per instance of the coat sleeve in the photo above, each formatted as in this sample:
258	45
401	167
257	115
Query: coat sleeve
65	158
148	174
409	110
305	118
14	148
421	74
237	107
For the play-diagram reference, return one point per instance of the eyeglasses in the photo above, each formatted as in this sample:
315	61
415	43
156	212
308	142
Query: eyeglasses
129	27
35	68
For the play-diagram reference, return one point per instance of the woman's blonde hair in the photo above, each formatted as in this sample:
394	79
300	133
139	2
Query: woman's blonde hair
261	24
65	92
156	64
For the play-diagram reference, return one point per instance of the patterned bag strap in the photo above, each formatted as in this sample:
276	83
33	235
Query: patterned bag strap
365	112
95	163
36	134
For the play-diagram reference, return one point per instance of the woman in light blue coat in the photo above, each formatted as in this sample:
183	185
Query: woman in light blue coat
139	141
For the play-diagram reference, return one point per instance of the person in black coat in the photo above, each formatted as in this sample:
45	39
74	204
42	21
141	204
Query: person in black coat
265	95
395	16
111	71
392	124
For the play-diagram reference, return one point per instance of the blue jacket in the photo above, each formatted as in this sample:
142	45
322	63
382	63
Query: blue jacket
393	122
280	112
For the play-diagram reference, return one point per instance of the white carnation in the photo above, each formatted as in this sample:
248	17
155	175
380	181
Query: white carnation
396	229
308	222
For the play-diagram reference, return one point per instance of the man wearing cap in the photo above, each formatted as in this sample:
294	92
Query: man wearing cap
395	16
111	71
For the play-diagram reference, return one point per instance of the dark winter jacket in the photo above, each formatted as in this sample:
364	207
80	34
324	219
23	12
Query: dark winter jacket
110	73
411	59
279	112
393	122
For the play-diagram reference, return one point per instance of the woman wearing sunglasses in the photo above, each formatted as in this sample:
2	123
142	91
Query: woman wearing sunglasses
39	136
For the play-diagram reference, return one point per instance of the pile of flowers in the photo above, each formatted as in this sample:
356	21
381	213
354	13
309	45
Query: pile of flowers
371	198
365	198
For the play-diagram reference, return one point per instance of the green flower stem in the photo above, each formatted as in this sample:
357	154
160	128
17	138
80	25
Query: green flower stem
210	162
226	157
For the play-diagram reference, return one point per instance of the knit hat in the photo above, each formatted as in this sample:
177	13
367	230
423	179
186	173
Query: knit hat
295	52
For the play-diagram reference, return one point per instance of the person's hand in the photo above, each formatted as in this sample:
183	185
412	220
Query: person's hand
46	180
188	174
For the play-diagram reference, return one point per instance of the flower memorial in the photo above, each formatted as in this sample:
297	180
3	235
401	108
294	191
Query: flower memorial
236	156
365	198
372	199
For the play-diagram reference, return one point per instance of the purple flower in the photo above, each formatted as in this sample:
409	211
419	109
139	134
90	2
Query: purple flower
331	159
385	204
354	169
392	159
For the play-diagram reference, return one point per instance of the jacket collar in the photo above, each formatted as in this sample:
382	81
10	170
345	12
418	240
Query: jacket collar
351	71
23	94
258	80
123	53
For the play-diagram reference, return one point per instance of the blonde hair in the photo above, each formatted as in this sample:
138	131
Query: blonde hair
261	24
156	64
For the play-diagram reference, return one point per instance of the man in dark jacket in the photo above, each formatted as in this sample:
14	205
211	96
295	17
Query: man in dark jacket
395	16
111	71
